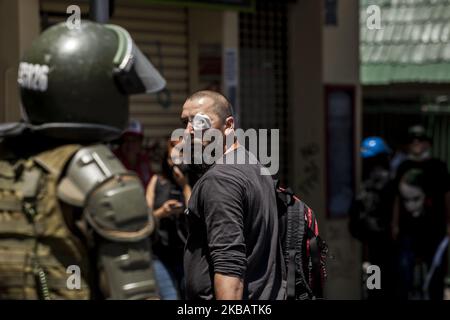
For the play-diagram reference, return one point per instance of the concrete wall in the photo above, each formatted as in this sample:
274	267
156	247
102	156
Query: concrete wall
230	65
19	25
205	27
306	102
341	67
214	27
323	55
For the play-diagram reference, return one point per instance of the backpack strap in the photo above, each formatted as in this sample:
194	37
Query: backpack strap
317	248
292	239
294	246
286	195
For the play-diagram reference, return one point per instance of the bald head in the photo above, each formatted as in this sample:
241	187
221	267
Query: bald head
208	110
213	102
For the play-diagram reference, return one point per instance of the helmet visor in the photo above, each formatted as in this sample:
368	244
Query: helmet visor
150	78
134	73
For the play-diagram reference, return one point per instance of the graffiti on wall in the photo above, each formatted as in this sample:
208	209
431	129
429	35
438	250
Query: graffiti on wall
310	170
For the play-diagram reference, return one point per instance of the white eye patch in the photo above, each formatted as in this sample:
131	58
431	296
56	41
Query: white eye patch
201	121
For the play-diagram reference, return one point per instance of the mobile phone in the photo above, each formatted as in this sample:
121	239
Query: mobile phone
176	195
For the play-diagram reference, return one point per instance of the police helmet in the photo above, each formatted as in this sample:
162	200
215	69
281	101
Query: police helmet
75	82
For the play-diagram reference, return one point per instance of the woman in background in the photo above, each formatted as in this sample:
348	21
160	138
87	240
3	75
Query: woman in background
168	194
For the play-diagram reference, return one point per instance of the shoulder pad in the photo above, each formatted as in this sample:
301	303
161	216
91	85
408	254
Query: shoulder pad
90	167
117	210
113	198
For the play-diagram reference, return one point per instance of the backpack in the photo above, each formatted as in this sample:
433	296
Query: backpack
303	250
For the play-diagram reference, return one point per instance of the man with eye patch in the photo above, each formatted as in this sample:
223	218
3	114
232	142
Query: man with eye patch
232	250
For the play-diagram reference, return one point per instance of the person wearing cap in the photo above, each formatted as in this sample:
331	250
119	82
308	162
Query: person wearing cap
436	187
370	213
132	153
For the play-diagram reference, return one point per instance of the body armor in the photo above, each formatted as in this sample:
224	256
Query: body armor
68	207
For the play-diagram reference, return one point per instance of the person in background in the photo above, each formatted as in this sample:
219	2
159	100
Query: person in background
370	214
415	242
168	194
435	185
132	153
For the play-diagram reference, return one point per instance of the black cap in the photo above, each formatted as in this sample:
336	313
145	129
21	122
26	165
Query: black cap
418	132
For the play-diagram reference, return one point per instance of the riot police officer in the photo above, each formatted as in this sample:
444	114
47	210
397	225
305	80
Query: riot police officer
74	223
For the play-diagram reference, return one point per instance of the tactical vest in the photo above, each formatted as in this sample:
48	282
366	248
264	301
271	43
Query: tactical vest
37	248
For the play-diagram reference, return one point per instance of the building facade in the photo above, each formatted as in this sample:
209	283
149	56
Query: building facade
287	65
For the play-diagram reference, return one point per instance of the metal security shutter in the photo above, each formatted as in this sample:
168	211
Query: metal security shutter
263	73
161	33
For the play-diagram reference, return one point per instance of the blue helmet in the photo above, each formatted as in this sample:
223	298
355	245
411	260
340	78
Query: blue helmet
373	146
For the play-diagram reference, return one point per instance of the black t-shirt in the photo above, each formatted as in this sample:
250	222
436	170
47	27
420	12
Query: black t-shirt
233	230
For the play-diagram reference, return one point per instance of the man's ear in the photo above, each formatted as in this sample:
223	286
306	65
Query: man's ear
229	125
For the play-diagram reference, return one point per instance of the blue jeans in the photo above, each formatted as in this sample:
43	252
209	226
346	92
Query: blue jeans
165	281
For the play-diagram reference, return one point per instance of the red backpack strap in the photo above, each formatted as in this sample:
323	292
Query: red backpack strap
315	249
298	286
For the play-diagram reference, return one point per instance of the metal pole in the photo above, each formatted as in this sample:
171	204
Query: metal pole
99	10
